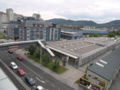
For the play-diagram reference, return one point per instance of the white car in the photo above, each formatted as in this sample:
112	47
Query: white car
13	65
40	88
89	87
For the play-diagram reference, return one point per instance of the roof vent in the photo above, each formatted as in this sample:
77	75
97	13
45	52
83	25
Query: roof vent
99	64
104	62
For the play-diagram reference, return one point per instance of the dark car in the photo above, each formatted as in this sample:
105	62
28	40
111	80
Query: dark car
10	51
30	80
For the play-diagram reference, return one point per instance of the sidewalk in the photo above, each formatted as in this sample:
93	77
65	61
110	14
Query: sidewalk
69	77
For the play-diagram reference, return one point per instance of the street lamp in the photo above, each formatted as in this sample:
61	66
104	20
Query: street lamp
40	54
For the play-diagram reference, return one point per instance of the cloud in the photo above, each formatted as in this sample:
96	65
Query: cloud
54	1
97	10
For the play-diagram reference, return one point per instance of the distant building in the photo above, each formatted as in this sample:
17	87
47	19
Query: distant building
36	16
29	28
3	17
69	33
17	16
13	29
10	14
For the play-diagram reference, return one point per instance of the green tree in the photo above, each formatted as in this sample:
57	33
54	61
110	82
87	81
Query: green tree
111	34
56	66
37	53
32	49
46	58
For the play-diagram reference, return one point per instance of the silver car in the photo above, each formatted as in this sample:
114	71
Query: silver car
40	88
13	65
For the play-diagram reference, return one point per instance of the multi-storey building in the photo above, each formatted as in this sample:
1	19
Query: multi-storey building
36	16
8	16
30	28
3	17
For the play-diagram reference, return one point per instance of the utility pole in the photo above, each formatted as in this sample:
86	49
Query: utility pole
40	54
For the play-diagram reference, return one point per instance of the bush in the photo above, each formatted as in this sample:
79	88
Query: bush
114	33
2	36
32	49
46	59
37	53
95	35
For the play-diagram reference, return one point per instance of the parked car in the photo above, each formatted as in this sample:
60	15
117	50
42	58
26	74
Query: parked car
10	51
12	47
13	65
30	80
39	88
19	58
20	72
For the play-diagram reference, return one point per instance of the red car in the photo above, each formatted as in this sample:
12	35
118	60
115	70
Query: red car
19	58
20	72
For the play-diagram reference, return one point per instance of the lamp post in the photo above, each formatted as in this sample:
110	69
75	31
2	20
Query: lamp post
40	54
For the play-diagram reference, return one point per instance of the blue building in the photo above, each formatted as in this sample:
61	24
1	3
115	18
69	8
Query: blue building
75	34
93	32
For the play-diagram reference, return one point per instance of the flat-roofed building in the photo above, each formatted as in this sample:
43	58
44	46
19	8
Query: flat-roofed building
81	51
69	33
101	73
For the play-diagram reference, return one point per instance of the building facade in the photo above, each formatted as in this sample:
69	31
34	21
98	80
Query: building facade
69	33
36	16
30	28
8	16
3	17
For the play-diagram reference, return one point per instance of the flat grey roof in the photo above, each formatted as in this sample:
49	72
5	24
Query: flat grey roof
67	32
107	66
5	82
78	47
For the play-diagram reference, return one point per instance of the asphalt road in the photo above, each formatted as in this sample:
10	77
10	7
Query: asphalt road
116	83
41	78
10	75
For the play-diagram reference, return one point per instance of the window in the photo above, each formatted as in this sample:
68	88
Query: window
33	25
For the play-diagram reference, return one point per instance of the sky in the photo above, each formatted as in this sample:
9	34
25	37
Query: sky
100	11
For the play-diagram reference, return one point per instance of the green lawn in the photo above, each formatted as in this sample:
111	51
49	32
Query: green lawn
51	65
1	36
78	81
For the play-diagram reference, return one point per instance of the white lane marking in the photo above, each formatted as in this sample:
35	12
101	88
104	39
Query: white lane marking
20	81
36	73
31	70
40	80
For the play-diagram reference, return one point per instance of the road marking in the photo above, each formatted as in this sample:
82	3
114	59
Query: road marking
31	70
40	80
20	81
37	74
